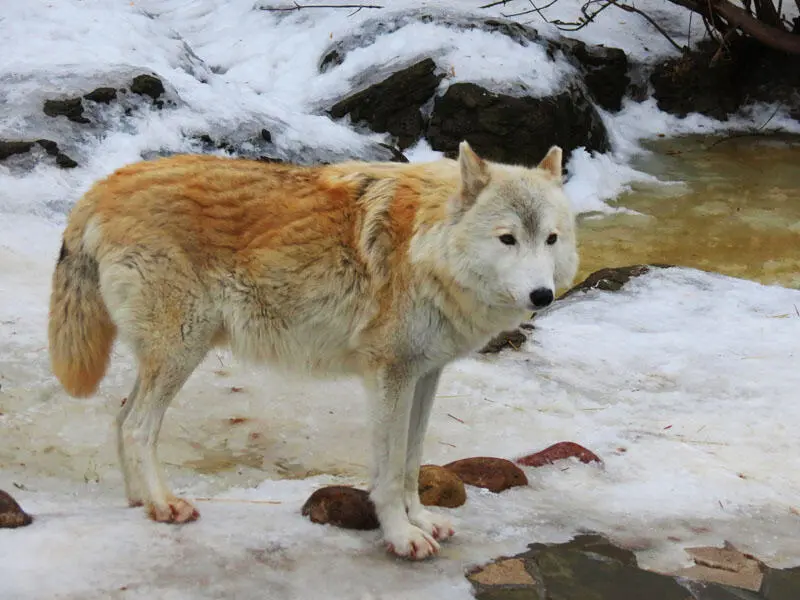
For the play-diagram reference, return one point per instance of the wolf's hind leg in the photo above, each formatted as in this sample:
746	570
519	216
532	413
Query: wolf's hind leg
436	525
168	351
134	490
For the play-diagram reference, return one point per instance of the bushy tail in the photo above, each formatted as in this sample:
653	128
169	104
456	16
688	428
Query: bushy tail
80	331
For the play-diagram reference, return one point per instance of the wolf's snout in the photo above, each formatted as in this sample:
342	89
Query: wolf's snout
541	297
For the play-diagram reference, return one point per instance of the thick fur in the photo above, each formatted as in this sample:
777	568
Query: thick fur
379	270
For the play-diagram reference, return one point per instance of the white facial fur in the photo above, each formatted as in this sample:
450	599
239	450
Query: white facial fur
528	204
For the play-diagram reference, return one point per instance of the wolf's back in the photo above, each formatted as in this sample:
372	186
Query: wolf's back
80	329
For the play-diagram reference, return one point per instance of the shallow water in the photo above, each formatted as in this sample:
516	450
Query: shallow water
734	209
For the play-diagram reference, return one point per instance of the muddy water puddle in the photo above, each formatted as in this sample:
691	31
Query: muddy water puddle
736	211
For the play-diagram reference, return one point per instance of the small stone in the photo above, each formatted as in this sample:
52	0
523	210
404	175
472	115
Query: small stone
510	571
10	148
494	474
558	451
266	135
611	279
440	487
11	514
505	339
726	566
65	162
72	108
147	85
102	95
49	146
341	506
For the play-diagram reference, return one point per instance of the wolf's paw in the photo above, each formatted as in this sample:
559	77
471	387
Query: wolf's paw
437	526
411	542
175	510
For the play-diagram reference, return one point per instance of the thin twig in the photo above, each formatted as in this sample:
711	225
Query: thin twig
301	6
455	417
491	4
650	20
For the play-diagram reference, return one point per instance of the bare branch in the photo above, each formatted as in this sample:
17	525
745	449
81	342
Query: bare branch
499	2
297	6
633	9
769	36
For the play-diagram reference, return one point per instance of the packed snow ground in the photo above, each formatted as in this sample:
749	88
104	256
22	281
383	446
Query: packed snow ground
685	383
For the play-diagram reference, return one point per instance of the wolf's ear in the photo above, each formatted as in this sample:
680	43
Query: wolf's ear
474	174
551	163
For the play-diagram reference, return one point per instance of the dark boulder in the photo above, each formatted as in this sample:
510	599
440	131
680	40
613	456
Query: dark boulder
515	129
605	72
393	105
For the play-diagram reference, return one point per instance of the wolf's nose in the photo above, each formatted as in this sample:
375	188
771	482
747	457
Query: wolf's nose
541	297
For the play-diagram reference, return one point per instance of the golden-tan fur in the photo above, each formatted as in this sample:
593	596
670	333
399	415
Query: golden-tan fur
355	268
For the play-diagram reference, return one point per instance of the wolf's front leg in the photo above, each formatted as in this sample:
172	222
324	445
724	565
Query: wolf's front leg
392	391
436	525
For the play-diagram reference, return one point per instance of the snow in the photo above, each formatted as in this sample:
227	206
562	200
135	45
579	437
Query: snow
684	383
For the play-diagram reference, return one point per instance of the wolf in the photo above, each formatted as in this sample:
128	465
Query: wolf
384	271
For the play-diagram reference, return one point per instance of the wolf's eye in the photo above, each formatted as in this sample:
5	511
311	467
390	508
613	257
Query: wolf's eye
552	239
508	239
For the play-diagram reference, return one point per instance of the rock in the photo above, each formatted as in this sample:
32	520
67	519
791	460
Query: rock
440	487
574	573
725	565
102	95
703	590
10	148
72	108
781	584
514	129
11	514
718	84
592	543
147	85
341	506
510	571
611	279
65	162
494	474
605	72
588	567
370	30
393	105
505	339
558	451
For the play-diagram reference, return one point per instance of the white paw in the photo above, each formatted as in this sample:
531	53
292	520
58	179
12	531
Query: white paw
411	542
437	526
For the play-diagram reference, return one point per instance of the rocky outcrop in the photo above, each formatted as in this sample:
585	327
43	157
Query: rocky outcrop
718	83
514	129
605	71
393	105
9	148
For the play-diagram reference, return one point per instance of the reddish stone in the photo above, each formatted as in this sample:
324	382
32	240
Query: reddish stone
556	452
494	474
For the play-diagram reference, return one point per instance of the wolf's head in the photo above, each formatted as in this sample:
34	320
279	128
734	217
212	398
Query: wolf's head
512	235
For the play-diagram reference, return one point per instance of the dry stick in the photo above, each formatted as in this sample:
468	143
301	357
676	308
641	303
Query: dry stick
755	133
650	20
537	9
491	4
771	36
301	6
